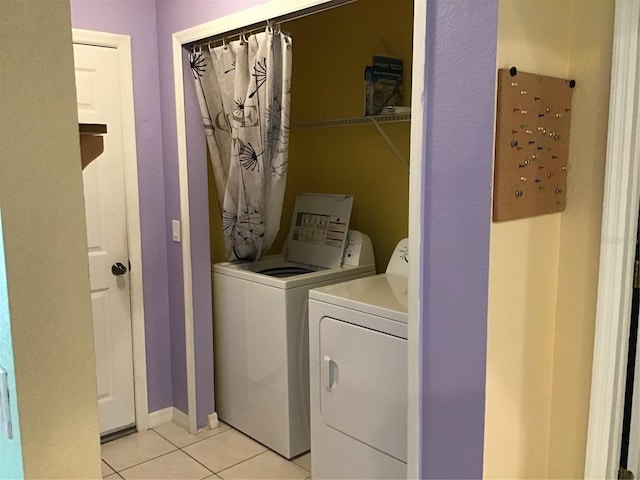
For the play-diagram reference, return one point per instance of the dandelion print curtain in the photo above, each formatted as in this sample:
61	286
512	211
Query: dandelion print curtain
244	91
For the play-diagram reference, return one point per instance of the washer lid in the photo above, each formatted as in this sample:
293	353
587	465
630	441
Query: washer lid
319	229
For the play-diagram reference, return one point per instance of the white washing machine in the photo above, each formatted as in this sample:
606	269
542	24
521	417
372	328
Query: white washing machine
261	346
358	368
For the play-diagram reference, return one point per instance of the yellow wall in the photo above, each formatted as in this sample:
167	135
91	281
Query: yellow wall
330	51
590	62
543	270
45	243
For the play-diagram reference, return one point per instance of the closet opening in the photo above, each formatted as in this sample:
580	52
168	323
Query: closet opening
334	147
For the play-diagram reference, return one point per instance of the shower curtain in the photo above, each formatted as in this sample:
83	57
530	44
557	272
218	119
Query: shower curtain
244	91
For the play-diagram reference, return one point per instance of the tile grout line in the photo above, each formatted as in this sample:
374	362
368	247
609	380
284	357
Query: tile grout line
172	443
181	449
226	468
197	441
242	461
176	448
146	461
196	460
213	476
304	468
106	463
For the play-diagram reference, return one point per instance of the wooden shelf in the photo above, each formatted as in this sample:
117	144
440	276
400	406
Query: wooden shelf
92	128
91	141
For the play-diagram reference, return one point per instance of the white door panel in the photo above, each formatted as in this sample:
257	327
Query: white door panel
98	93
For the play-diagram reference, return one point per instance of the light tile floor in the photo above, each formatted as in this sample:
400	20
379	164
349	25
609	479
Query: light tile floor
169	452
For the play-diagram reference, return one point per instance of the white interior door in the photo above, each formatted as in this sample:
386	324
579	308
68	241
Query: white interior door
98	92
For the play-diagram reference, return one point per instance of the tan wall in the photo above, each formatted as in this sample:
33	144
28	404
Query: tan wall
543	271
590	63
45	242
330	51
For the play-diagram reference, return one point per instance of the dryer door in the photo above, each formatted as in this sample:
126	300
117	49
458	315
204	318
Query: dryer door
364	385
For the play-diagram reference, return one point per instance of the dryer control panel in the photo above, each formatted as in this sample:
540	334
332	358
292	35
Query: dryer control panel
399	261
358	250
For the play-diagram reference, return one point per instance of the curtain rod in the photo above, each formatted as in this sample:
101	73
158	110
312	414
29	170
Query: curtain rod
259	26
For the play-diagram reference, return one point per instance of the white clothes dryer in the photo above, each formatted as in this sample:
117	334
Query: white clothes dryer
261	349
358	375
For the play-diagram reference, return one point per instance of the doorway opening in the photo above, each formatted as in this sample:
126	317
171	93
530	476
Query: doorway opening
629	453
619	226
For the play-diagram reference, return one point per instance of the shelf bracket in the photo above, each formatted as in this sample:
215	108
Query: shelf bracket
390	143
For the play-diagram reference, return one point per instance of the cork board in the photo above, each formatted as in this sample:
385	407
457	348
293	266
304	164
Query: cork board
532	145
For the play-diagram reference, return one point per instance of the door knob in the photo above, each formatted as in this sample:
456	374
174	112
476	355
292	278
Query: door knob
118	269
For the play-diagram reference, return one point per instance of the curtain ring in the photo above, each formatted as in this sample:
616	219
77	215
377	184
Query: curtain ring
224	44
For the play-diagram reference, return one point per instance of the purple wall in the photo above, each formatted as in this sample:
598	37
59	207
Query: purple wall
138	19
459	116
173	17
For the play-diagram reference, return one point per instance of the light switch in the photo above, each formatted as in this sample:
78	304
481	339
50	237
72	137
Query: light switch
175	228
5	412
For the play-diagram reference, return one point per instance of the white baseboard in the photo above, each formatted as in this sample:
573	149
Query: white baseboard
172	414
160	416
181	419
213	421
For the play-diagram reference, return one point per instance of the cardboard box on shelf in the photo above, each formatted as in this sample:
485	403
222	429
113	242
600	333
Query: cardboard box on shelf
382	84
